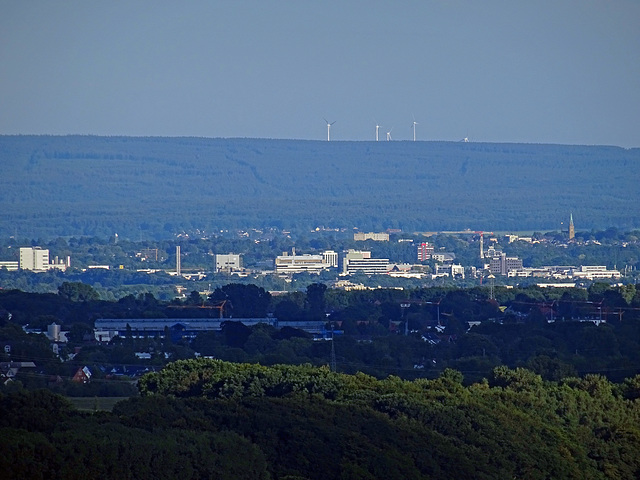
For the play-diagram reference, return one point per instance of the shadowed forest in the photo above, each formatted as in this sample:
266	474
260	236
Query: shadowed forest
212	419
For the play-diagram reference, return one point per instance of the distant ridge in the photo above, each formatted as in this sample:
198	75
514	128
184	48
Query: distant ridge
155	186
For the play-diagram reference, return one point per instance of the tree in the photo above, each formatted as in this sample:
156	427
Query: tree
236	334
194	298
78	331
287	310
78	292
315	299
247	301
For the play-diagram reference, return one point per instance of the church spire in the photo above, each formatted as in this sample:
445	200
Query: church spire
572	229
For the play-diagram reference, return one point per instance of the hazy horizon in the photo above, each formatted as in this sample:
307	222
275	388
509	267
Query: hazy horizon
494	72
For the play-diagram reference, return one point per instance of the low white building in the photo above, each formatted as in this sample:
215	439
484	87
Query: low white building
450	270
595	272
377	237
10	266
290	264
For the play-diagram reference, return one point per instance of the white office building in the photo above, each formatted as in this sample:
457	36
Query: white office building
37	259
357	261
595	272
34	258
330	258
290	264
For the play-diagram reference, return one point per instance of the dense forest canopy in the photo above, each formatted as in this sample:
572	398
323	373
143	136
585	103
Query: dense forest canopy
154	187
213	419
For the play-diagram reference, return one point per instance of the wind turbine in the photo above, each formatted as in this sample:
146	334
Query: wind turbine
389	134
377	128
329	129
414	128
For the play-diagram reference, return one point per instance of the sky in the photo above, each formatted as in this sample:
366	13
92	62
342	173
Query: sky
562	72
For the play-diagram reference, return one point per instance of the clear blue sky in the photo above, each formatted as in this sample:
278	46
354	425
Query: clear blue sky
493	71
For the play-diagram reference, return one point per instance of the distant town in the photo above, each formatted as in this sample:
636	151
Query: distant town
348	261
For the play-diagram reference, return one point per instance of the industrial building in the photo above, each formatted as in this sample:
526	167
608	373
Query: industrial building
105	329
231	262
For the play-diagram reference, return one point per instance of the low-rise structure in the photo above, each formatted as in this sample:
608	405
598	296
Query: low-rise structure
450	270
10	266
290	264
377	237
443	257
595	272
106	329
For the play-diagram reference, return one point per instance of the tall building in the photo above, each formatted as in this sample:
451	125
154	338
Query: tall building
34	258
425	250
572	229
330	258
502	265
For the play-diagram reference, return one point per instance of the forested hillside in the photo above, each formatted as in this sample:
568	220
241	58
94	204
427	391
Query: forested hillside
212	419
155	187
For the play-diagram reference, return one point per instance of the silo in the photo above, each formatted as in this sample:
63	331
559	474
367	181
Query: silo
53	332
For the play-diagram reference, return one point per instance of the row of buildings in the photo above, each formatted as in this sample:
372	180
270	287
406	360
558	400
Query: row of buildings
349	262
36	259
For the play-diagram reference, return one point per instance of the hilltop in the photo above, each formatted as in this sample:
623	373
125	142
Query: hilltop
155	187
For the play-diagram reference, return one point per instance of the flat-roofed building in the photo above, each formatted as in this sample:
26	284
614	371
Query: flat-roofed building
502	265
106	329
289	264
377	237
37	259
425	251
34	258
595	272
230	262
10	266
450	270
330	258
356	261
